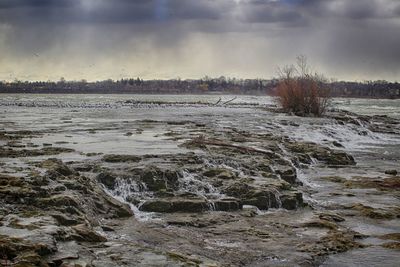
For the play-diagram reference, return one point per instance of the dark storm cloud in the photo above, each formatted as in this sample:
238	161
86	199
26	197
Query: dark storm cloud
106	11
342	37
272	12
346	9
253	11
35	3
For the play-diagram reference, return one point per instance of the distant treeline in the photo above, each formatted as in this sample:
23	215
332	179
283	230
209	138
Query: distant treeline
222	85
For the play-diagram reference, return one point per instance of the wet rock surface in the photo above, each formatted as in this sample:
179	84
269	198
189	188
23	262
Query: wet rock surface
225	195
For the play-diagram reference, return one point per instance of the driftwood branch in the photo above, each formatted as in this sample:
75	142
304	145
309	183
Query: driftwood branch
215	142
219	100
229	101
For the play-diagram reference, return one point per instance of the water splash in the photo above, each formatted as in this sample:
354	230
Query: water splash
190	183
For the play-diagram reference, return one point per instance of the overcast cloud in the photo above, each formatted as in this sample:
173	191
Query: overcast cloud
100	39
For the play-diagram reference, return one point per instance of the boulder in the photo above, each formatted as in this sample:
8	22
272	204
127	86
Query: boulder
65	220
324	154
121	158
262	199
238	190
227	204
249	195
107	179
220	173
58	201
56	165
117	209
338	158
23	252
291	200
175	205
84	233
287	174
391	172
157	179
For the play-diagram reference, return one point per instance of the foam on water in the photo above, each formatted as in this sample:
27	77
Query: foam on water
352	137
191	183
125	189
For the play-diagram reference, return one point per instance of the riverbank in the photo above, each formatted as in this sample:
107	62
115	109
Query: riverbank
110	182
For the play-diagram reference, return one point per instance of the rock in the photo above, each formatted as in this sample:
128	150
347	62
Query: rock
175	205
57	165
16	190
60	188
386	184
76	184
83	233
372	212
64	220
58	201
239	189
334	179
287	174
291	200
392	236
11	153
22	252
84	167
250	195
391	172
107	179
337	158
117	209
261	199
331	217
265	168
6	180
157	179
337	144
107	228
392	245
121	158
227	204
320	224
39	180
324	154
334	242
219	173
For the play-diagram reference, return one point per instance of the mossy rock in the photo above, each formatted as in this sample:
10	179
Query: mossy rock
107	179
227	204
58	201
291	200
175	205
121	158
57	166
86	234
392	245
157	179
373	213
392	236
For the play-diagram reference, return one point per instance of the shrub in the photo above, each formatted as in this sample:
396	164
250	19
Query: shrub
301	92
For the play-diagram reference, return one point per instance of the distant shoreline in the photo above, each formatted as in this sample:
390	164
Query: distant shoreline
184	93
206	86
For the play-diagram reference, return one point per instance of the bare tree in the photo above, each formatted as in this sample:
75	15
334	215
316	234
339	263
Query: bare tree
302	92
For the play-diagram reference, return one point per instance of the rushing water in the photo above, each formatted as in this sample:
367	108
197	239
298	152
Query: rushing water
100	123
390	107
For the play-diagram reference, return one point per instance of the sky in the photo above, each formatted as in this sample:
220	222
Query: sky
164	39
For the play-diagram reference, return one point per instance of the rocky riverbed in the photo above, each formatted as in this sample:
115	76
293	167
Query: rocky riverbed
136	183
